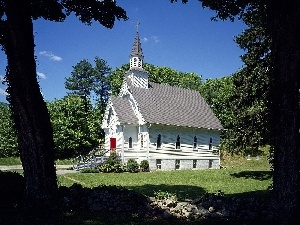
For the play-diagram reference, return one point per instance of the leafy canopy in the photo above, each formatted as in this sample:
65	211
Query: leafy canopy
104	11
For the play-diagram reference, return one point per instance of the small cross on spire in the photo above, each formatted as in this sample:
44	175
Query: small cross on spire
137	26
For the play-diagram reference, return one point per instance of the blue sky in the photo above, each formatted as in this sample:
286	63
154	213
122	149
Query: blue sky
179	36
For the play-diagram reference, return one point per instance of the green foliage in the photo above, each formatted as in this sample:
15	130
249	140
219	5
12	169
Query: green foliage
159	75
132	166
163	194
74	131
144	166
86	81
218	94
89	170
8	137
7	161
112	164
241	100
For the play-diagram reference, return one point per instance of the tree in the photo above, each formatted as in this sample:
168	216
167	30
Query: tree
219	95
101	88
241	100
282	23
34	131
73	132
81	82
8	138
157	74
86	81
252	82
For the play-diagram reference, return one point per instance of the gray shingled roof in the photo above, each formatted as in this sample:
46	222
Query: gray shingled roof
124	110
137	48
164	104
171	105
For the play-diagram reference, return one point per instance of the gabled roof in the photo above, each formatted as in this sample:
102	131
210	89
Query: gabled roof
124	110
137	48
164	104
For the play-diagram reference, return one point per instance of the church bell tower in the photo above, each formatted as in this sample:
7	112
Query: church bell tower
136	56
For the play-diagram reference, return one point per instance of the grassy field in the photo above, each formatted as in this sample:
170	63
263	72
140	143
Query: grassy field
238	177
16	161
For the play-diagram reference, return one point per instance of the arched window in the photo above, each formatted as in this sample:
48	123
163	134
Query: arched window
130	142
142	141
210	144
195	142
158	143
178	142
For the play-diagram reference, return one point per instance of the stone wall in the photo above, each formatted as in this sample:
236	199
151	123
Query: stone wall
184	164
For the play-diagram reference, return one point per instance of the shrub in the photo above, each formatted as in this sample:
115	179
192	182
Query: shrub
90	170
132	166
144	166
112	164
164	195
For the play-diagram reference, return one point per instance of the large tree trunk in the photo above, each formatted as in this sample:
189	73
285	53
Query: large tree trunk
35	140
284	24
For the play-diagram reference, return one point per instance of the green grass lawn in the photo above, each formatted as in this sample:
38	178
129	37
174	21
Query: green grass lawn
10	161
241	177
185	183
16	161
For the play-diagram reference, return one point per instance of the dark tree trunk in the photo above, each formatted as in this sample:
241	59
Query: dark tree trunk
35	140
284	25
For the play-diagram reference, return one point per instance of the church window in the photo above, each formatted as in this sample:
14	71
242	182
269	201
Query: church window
109	115
178	142
195	143
158	143
142	141
194	163
210	162
177	164
210	144
158	164
130	142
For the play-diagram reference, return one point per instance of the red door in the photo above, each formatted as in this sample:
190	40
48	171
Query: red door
113	144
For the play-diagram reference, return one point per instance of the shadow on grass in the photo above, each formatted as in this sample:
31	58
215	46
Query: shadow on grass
13	214
181	191
256	175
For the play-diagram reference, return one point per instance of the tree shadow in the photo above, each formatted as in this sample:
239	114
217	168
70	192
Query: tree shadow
77	213
256	175
182	192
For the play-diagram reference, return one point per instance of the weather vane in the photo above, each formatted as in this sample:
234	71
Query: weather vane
137	26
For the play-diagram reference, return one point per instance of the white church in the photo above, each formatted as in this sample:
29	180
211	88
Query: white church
171	127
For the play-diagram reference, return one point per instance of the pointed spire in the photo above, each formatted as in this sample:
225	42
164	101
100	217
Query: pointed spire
137	48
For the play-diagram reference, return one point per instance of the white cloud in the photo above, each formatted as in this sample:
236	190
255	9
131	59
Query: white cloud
41	75
155	39
50	55
3	92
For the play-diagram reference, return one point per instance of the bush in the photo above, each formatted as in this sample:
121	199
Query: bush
144	166
112	164
132	166
90	170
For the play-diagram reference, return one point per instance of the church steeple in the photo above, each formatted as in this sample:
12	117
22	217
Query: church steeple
136	55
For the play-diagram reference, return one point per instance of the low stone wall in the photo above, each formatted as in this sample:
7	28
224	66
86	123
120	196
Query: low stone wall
116	200
184	164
